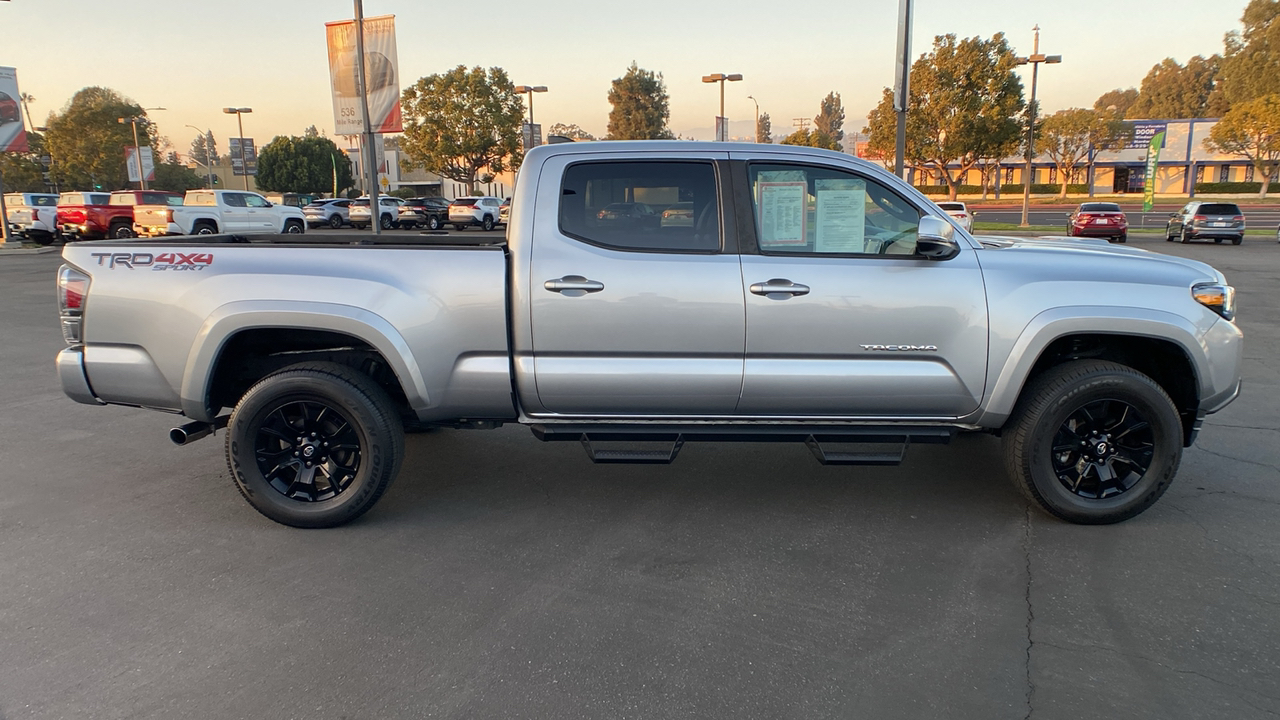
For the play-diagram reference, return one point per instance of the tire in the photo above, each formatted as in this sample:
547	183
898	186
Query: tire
487	223
433	223
293	227
1217	241
335	221
385	222
1237	240
306	398
1051	409
359	226
1123	238
459	227
204	227
120	231
1168	234
1186	238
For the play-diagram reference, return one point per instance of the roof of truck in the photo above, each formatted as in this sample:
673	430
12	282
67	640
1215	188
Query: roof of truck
682	146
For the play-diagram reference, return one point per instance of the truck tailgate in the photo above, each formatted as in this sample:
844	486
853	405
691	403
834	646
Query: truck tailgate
157	314
151	215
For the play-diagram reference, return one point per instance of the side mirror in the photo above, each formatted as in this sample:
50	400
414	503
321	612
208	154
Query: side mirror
935	239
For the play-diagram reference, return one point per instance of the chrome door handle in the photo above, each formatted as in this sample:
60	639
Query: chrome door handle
573	286
779	289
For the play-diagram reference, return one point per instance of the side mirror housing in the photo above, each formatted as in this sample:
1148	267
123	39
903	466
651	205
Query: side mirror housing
935	239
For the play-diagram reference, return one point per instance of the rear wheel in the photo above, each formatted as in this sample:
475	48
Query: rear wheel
1217	241
1123	238
1237	240
314	445
335	221
204	227
1093	442
386	223
459	227
1186	236
1168	233
433	223
121	231
487	223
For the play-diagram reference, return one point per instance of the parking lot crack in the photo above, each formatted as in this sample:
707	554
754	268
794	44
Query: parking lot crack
1031	616
1272	468
1241	427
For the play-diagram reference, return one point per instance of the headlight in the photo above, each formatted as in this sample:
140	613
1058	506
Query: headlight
1217	297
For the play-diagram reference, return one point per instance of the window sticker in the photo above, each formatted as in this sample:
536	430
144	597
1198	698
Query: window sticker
782	213
840	217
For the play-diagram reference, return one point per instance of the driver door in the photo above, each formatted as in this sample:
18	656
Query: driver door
843	319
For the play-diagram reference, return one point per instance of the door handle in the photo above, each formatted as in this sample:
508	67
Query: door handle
779	289
573	286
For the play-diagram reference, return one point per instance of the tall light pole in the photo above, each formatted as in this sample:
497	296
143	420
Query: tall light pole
530	90
137	149
1034	59
757	102
244	161
208	161
902	85
721	78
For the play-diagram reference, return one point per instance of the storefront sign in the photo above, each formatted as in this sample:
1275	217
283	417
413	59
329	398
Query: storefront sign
1143	132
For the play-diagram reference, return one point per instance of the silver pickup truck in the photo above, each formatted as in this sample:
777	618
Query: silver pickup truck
650	294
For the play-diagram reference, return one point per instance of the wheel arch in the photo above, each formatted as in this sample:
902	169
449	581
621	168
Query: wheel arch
239	343
1161	345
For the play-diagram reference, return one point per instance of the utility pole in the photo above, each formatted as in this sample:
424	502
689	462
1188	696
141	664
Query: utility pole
208	161
1034	60
757	102
800	123
371	148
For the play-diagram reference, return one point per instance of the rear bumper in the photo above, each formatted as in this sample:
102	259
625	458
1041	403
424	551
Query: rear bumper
1227	233
75	384
1100	230
157	230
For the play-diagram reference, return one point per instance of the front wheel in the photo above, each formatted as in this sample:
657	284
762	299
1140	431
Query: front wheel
293	227
314	445
1093	442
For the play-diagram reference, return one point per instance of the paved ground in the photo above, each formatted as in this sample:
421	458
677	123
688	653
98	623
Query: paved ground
502	577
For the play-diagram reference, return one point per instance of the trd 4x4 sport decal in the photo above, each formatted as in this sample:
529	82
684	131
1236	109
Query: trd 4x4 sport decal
162	261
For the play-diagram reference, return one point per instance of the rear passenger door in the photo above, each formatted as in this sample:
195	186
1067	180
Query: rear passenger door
235	213
631	317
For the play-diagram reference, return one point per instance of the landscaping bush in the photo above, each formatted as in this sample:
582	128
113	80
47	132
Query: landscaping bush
1045	188
943	189
1229	187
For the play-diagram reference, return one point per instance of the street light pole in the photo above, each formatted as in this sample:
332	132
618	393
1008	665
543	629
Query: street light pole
1034	60
137	150
529	90
757	102
244	161
721	78
208	162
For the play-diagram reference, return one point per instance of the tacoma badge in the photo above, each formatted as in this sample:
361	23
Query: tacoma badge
920	348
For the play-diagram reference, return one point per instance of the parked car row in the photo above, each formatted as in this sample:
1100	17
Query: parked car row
432	213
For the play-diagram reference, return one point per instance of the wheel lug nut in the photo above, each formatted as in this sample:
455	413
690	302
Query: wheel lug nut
296	453
326	444
308	464
313	434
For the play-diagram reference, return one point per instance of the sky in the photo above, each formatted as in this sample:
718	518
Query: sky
195	57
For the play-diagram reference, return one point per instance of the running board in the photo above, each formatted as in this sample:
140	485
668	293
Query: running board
813	436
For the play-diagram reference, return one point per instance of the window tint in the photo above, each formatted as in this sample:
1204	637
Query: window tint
255	201
951	206
1099	207
642	205
805	209
234	200
465	201
122	199
1218	209
44	200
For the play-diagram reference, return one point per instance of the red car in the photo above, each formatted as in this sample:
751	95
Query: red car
9	111
1099	219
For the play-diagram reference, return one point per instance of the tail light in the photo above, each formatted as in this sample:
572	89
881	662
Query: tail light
73	288
1238	219
1197	219
168	216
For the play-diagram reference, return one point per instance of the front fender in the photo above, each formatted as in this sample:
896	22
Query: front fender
1006	376
231	318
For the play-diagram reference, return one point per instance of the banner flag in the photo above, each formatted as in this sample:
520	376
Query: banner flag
381	72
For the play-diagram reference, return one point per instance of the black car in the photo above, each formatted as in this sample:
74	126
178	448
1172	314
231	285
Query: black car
1206	221
429	212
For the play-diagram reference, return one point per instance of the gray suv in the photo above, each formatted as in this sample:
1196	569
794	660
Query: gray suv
1206	221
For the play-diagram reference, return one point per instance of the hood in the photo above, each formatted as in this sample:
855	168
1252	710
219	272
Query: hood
1046	247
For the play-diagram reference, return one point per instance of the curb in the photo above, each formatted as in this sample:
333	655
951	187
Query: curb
26	251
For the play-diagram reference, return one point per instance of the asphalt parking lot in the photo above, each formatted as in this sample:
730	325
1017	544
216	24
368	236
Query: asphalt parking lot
503	577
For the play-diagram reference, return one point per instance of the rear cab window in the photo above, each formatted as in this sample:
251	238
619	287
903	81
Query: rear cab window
624	205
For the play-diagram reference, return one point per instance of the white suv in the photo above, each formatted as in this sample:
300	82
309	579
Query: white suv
358	212
483	210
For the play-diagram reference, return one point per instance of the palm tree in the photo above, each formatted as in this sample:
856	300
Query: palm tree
27	98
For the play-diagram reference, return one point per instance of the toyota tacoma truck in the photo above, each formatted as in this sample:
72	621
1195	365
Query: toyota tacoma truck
807	296
211	212
93	215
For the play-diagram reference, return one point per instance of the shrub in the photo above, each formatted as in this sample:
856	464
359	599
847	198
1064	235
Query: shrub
1229	187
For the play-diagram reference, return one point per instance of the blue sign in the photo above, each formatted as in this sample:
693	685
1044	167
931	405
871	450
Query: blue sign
1143	132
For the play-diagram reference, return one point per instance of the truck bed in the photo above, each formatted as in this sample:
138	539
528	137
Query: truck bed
162	312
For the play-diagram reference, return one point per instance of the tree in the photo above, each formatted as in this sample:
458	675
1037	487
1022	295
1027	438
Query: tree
764	129
176	177
27	98
640	111
1116	101
811	138
311	132
1251	130
830	119
964	106
23	172
1072	137
570	131
87	143
463	121
204	149
302	164
1251	62
1171	90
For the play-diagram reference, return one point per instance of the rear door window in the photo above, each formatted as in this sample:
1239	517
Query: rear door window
621	205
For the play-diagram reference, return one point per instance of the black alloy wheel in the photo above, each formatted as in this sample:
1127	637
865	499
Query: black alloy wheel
1103	449
307	450
386	222
487	223
314	445
335	221
206	229
293	228
121	231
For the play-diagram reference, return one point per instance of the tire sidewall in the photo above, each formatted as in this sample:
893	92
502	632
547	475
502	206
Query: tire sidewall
1166	429
377	455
